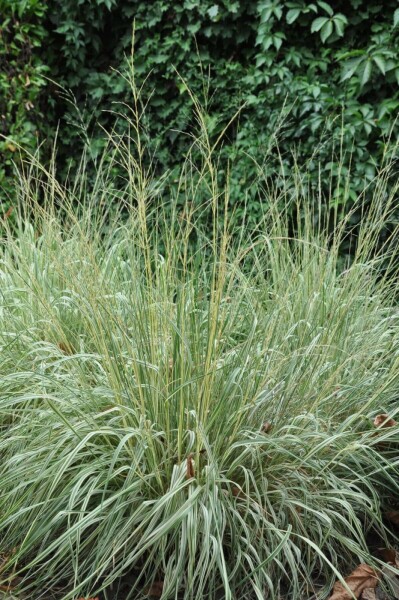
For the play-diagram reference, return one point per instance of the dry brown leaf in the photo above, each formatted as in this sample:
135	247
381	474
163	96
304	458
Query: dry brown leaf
384	420
237	492
8	213
389	555
65	347
361	578
190	467
96	598
393	516
392	581
369	594
266	427
155	590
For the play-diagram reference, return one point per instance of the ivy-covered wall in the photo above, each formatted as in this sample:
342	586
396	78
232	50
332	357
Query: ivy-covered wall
331	69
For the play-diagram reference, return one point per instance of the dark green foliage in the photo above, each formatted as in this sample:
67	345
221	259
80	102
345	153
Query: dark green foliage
21	81
322	75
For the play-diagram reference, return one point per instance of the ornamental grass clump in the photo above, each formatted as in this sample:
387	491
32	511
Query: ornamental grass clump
188	413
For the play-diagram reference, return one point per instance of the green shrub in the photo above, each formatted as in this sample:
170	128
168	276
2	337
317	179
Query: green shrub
325	75
186	410
333	66
21	82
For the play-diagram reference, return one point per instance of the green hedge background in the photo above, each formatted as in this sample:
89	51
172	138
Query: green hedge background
324	74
